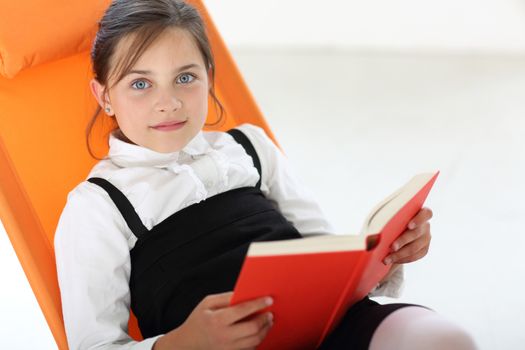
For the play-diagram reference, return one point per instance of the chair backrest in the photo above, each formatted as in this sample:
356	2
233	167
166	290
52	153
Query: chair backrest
44	111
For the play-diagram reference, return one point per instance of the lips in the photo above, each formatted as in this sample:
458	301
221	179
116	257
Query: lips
168	123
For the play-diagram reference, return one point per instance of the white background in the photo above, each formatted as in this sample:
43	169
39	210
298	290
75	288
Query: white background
362	95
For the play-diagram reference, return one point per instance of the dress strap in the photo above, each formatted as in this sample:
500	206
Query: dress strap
124	206
241	138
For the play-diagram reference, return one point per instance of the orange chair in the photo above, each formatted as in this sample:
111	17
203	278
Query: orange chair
45	104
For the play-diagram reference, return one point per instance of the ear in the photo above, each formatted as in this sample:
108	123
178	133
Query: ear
98	92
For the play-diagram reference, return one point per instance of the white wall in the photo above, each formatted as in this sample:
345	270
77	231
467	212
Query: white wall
417	25
357	126
406	86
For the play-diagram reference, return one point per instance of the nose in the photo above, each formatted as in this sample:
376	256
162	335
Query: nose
168	102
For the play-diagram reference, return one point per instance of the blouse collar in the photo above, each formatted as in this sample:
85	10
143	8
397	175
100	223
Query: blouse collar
126	154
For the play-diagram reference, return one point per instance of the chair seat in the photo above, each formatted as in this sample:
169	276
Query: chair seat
44	111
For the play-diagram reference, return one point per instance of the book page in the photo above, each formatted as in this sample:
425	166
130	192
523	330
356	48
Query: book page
387	208
317	244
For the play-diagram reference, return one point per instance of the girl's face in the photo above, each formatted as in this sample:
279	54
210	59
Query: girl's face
169	83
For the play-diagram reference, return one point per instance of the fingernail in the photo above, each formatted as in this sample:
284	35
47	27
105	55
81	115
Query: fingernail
395	247
387	261
412	225
268	301
270	317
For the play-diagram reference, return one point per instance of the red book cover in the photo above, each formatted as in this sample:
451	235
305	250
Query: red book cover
314	282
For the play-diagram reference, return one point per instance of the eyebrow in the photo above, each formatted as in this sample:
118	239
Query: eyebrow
148	72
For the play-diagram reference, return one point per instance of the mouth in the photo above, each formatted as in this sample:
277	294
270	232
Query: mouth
171	125
168	123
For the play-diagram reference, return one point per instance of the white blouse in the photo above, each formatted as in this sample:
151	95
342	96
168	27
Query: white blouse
92	240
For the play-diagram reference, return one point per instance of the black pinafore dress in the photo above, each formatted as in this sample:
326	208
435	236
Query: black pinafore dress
196	251
199	250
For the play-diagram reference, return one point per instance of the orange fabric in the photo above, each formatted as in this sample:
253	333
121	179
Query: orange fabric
28	27
44	111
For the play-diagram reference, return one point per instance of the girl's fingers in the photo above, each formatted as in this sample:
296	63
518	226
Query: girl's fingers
418	255
410	236
232	314
252	341
414	250
423	215
217	301
252	326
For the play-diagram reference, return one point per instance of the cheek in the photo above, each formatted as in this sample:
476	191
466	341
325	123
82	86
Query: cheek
129	112
131	105
197	98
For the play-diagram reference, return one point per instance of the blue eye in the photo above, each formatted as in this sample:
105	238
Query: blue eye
185	78
140	84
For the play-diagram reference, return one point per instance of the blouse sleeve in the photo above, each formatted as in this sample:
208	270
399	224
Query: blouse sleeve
297	203
93	267
280	185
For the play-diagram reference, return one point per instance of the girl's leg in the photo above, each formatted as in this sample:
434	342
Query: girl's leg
418	328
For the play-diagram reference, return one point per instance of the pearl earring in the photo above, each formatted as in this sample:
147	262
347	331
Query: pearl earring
108	109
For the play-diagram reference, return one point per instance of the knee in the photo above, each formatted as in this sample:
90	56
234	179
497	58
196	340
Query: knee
451	337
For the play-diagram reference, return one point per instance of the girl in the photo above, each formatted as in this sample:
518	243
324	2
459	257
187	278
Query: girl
161	224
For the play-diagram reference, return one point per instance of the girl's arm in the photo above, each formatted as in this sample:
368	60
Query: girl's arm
280	185
93	266
297	203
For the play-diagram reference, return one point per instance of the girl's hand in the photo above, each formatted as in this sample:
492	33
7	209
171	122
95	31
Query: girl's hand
213	324
413	244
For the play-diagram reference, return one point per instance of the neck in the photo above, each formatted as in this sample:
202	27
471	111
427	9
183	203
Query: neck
120	135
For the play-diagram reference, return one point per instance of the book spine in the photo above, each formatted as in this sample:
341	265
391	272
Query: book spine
339	308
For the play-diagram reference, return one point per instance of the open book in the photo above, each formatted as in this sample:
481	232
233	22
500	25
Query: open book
314	280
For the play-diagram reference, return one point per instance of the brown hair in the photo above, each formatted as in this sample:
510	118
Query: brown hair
147	19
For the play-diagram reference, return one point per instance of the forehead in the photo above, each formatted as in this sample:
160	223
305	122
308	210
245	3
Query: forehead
173	47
